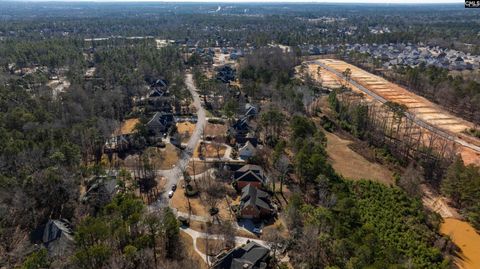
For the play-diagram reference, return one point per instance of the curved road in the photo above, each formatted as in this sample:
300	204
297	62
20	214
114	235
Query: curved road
411	116
173	175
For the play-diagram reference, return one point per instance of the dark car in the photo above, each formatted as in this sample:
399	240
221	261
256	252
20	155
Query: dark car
174	187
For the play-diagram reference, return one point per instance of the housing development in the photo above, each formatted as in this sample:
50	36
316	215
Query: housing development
239	135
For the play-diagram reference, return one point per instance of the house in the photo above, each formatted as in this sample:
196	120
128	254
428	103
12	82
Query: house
226	74
157	93
120	139
239	128
250	256
100	190
250	110
58	237
254	203
160	123
242	140
249	174
247	151
159	83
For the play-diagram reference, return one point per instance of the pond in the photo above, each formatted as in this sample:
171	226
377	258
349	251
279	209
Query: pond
467	239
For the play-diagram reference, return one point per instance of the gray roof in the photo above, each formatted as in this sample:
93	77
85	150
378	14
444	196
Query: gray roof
250	256
161	120
252	167
255	197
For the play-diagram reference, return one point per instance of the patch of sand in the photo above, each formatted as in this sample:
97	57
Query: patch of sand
437	203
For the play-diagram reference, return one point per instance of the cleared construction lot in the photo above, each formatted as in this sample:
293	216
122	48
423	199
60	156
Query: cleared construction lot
428	114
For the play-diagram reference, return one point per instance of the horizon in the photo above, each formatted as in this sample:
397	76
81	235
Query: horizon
379	2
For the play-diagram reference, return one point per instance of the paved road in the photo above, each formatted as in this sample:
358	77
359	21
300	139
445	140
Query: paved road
173	175
411	116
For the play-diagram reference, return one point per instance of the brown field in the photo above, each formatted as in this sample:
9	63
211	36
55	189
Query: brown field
352	165
200	167
216	129
215	229
198	206
185	129
128	126
210	151
214	246
419	106
187	242
164	158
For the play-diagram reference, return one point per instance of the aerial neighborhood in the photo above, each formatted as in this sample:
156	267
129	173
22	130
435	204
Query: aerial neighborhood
239	136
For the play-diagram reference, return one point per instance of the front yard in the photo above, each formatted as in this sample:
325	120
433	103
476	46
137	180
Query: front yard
185	129
199	205
210	150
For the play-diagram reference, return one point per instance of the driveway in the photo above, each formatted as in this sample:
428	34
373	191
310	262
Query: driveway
239	240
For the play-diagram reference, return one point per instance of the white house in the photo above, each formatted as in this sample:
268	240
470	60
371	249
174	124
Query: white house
247	151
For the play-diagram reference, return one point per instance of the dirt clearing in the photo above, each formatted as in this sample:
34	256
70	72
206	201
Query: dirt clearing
353	165
422	108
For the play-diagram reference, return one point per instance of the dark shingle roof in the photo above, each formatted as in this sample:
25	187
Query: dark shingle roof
250	256
249	172
254	197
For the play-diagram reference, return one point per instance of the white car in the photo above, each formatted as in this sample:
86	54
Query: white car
170	194
257	230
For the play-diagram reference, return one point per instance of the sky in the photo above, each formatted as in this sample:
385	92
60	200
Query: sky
283	1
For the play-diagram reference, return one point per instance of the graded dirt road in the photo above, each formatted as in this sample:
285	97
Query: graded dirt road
425	113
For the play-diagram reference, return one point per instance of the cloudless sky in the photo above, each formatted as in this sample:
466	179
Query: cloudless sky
277	1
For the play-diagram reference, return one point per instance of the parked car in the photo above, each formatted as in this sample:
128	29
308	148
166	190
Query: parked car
213	211
257	231
170	194
174	187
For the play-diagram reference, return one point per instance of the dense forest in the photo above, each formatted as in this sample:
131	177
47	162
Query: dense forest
243	24
50	145
355	225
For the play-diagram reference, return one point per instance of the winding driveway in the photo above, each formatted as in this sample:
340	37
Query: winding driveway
239	240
